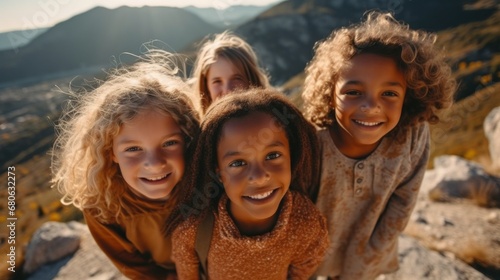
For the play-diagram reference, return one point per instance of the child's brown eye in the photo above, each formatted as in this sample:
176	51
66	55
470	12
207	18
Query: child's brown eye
237	163
132	149
389	93
273	155
352	92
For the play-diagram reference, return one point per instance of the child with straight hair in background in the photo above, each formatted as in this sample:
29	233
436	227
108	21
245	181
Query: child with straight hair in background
225	64
256	160
120	157
372	88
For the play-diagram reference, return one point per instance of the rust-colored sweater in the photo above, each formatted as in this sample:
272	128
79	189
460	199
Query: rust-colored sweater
292	250
137	244
368	202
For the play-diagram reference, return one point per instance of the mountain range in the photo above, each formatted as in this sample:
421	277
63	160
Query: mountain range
96	36
284	35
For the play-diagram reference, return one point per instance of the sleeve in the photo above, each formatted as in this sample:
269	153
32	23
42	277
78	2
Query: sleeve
402	201
310	256
113	242
184	252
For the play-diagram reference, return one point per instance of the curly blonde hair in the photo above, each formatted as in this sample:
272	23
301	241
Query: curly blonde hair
234	49
430	85
82	165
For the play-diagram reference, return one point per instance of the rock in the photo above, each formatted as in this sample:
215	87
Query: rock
454	178
448	168
51	242
482	190
418	262
88	262
459	229
492	132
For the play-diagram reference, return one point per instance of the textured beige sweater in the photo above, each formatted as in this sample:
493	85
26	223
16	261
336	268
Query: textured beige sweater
368	202
292	250
137	244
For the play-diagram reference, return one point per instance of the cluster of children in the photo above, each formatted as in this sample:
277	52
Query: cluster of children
248	187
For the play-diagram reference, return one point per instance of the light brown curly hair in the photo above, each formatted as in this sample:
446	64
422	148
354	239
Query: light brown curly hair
82	165
301	134
430	85
234	49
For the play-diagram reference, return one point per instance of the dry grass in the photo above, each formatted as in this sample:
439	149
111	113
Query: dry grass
460	131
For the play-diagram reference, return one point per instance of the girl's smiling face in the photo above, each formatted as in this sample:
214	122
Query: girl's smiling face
368	101
150	152
223	77
253	156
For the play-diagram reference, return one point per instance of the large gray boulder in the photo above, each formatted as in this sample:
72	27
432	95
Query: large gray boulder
51	242
88	262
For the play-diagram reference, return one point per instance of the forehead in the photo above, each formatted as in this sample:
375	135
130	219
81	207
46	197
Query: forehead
371	65
223	66
253	124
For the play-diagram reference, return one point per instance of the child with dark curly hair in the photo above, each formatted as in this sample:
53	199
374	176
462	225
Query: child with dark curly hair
371	89
255	162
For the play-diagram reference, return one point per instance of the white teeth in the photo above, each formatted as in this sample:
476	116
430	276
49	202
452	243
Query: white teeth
157	178
368	123
262	195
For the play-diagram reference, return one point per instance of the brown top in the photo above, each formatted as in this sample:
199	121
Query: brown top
292	250
137	244
367	202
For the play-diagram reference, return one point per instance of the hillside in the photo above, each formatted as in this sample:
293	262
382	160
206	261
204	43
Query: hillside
96	36
284	35
227	17
18	38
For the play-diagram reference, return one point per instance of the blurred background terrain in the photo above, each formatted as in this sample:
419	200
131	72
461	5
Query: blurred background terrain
36	72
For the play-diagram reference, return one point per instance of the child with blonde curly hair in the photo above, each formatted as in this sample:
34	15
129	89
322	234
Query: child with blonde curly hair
225	64
372	88
120	157
256	159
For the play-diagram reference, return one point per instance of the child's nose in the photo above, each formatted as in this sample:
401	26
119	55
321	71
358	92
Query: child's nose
226	88
258	175
155	161
370	106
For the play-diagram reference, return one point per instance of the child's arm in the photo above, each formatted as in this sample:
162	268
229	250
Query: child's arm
184	254
122	252
310	256
402	201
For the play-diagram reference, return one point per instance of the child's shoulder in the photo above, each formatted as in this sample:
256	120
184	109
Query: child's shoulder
304	210
187	228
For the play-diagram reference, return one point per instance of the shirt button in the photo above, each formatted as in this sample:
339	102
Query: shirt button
358	191
361	165
359	180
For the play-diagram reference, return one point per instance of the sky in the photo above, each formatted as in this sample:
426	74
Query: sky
30	14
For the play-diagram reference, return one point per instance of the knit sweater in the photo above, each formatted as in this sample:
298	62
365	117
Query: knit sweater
368	202
136	244
292	250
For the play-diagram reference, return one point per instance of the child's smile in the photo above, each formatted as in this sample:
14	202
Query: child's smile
150	152
253	156
369	97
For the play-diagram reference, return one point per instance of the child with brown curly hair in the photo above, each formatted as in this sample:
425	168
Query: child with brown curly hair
120	157
256	160
225	64
372	88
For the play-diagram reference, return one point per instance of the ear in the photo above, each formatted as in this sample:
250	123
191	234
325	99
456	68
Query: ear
217	173
332	97
115	159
